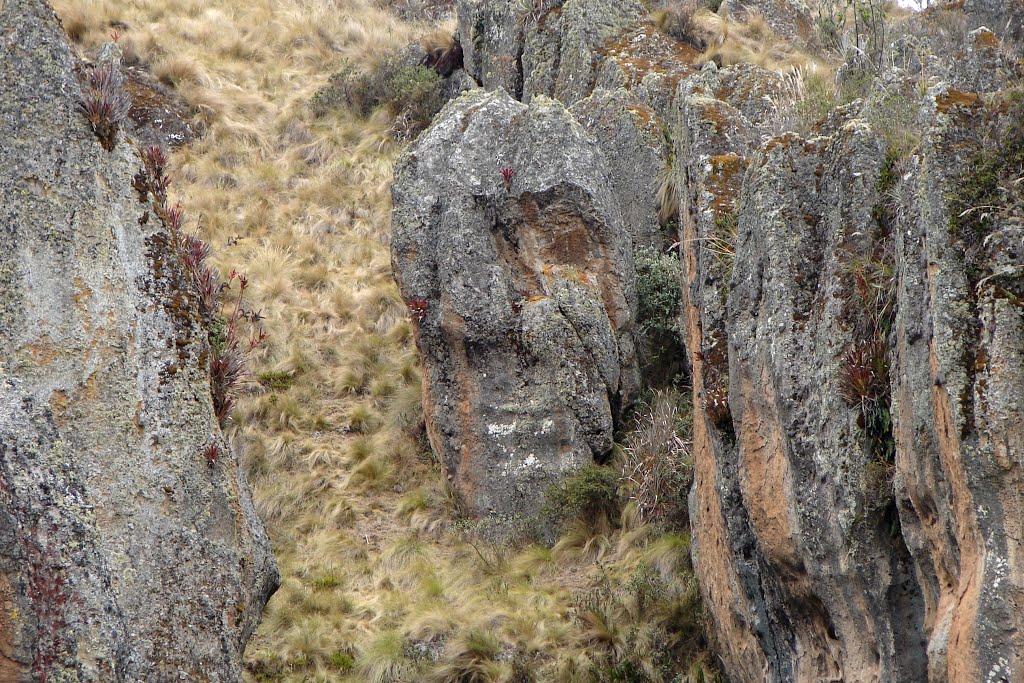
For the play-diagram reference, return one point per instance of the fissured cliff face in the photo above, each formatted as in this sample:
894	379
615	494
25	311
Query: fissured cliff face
125	554
854	331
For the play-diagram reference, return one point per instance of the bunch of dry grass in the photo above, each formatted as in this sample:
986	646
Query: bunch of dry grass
681	21
749	40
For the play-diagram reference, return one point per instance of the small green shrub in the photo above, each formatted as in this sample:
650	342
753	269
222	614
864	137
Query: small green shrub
589	495
342	661
416	92
326	582
411	93
347	87
276	381
659	297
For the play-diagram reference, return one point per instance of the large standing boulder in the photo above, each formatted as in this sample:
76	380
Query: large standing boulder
525	296
129	546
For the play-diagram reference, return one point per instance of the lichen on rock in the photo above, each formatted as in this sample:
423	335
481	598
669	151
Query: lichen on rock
125	555
529	296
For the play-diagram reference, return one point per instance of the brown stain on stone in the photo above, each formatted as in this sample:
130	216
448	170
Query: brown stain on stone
59	406
714	560
958	604
765	479
986	39
11	671
725	181
81	297
957	98
556	235
43	351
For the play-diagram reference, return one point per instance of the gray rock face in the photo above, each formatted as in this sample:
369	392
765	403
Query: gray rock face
789	18
958	404
526	294
562	45
632	137
124	555
492	42
552	47
829	546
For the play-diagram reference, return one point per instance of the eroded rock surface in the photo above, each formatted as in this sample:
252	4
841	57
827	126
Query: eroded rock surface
633	139
830	546
525	291
857	359
124	554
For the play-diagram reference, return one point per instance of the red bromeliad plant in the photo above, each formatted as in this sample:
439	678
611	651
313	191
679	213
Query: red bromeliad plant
506	175
229	345
105	103
417	309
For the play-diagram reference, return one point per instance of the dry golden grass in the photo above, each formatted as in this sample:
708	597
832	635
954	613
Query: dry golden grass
375	584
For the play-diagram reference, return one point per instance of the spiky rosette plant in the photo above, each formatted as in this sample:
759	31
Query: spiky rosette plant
105	103
864	380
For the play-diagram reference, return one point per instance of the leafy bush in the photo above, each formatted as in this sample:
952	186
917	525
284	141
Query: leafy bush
411	93
659	297
415	96
589	495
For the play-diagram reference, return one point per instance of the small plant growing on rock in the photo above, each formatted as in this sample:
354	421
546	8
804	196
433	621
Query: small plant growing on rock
105	103
211	454
716	407
229	346
506	177
417	309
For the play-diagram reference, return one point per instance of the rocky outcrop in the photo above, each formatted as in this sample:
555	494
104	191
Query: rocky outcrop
853	324
552	47
958	394
563	42
525	294
854	514
129	547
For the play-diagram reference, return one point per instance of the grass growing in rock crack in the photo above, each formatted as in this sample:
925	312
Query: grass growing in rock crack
377	584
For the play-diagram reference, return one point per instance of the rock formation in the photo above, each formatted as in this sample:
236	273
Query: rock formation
853	322
127	552
524	288
865	536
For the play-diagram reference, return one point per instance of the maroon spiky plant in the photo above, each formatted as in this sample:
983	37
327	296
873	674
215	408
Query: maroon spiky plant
105	103
417	309
506	175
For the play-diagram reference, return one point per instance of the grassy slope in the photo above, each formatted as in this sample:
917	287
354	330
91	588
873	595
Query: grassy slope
377	586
